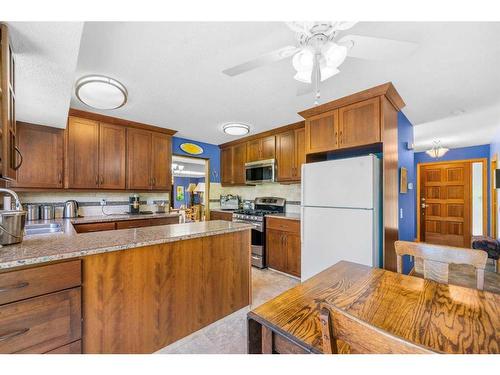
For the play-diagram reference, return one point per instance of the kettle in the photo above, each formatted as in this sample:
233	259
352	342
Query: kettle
70	209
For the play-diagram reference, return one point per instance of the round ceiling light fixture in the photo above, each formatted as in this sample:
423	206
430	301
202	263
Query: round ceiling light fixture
236	128
101	92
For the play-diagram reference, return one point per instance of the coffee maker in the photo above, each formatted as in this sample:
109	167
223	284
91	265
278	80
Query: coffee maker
134	204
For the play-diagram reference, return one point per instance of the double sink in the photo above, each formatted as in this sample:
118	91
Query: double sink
42	228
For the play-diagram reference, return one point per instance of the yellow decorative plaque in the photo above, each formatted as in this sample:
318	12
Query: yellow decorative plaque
191	148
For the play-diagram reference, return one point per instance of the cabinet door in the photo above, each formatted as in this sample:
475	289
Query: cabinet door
226	161
138	159
285	155
268	148
321	132
292	246
83	150
276	252
359	123
161	162
300	151
253	150
112	139
42	148
239	159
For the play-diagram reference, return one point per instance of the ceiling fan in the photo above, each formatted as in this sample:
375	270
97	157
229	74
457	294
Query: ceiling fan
319	54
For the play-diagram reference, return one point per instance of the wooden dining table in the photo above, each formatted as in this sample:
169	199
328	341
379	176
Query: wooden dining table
442	317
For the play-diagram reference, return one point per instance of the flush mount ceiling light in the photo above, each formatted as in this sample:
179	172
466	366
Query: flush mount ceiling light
236	128
101	92
437	150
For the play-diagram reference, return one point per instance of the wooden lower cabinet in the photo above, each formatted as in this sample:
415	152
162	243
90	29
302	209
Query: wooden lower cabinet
221	215
283	245
142	299
40	308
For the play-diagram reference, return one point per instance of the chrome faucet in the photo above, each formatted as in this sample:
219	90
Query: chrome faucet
16	197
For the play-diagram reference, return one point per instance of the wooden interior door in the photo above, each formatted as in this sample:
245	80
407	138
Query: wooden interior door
83	151
42	148
359	123
161	162
112	139
138	159
445	203
285	156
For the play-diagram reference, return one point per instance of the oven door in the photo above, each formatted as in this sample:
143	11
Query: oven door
260	171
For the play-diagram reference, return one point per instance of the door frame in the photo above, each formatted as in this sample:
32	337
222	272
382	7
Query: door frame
485	189
207	181
493	197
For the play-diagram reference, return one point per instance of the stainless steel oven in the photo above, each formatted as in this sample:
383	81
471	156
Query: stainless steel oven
258	172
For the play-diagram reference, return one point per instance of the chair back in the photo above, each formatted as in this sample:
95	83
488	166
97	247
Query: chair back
433	261
360	336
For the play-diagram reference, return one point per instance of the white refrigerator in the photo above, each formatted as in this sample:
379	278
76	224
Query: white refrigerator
341	217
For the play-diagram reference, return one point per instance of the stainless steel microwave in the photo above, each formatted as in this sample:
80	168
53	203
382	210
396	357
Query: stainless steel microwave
258	172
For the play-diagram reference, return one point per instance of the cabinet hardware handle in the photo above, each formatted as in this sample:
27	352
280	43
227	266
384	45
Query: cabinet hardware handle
21	156
59	176
102	180
336	138
340	137
13	334
24	284
154	181
97	179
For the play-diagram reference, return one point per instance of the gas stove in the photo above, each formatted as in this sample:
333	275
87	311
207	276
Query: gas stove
263	206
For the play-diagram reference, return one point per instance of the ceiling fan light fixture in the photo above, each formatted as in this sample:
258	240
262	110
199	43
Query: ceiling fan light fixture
335	54
303	60
101	92
236	128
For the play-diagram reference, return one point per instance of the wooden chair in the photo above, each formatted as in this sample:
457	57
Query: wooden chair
432	261
360	336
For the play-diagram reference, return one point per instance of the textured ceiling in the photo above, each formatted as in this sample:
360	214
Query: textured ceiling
173	74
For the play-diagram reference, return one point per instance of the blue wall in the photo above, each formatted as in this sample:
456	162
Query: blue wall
210	151
185	181
407	229
461	153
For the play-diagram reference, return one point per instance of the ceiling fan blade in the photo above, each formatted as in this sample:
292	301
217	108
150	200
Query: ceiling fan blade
380	49
263	60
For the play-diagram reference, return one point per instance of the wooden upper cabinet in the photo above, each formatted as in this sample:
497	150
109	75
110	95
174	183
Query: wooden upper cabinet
322	132
139	159
42	148
82	154
11	158
226	163
300	151
261	149
112	156
359	123
239	160
161	160
285	156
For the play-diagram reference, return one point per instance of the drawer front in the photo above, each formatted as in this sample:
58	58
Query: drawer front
41	324
165	221
286	225
217	215
94	227
126	224
32	282
73	348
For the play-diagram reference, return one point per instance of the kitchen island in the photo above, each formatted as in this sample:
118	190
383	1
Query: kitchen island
136	290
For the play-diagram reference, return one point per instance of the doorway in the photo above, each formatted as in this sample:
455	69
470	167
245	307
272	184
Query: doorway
452	201
191	186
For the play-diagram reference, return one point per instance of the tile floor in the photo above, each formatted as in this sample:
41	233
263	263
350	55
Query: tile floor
229	335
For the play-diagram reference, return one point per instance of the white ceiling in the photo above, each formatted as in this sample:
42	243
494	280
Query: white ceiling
173	74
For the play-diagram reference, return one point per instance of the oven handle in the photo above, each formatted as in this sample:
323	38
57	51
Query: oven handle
257	227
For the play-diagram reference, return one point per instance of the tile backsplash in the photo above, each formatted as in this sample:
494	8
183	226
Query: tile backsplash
90	201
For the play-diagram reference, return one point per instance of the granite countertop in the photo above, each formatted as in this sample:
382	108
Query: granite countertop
221	210
43	248
291	216
118	217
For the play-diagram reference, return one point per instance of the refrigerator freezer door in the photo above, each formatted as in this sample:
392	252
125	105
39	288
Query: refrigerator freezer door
330	235
340	183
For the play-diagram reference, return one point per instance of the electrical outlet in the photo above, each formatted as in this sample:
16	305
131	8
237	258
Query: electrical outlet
103	202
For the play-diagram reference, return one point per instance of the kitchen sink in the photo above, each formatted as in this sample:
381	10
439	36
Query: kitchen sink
42	228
